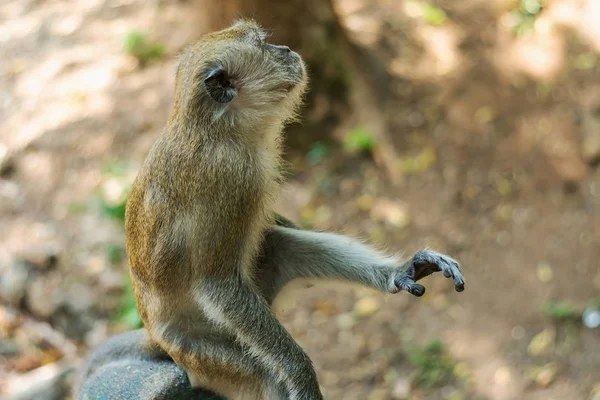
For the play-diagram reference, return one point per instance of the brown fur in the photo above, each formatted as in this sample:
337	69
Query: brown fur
201	203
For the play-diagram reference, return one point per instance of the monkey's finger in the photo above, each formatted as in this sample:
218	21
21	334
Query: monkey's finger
451	269
459	282
417	289
408	285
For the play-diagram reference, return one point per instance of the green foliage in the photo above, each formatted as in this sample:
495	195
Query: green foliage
116	211
561	311
429	13
76	208
137	45
433	15
433	365
359	139
525	16
317	153
530	7
114	254
114	191
115	168
128	314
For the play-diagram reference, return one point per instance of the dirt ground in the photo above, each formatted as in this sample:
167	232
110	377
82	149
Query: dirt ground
495	135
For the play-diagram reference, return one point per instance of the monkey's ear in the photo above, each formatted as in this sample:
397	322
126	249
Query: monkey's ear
219	86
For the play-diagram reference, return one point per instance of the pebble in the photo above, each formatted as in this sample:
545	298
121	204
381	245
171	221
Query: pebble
402	389
11	199
44	257
14	281
591	318
9	319
44	295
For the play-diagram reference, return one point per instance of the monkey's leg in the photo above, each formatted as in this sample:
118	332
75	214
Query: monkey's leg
214	360
293	253
235	307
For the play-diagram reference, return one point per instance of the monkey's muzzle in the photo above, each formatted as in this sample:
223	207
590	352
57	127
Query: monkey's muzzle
292	64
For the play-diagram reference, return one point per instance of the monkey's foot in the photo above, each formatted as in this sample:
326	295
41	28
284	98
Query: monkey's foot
425	263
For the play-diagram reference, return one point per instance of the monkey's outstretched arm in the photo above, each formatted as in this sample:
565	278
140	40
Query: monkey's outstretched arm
235	306
293	253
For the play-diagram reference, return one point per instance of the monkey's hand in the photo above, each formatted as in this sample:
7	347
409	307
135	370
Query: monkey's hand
422	264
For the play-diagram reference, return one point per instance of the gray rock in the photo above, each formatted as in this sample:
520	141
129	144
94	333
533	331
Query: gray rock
121	368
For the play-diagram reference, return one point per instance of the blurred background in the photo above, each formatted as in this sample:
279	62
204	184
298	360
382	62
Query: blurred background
470	126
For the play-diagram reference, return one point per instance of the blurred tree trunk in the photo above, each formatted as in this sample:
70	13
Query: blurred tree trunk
345	82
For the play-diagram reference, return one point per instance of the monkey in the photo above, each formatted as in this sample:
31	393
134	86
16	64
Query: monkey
127	352
207	253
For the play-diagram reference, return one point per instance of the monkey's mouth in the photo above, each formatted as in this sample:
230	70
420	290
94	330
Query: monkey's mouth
288	86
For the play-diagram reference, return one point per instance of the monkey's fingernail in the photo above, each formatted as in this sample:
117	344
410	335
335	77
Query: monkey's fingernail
447	274
459	288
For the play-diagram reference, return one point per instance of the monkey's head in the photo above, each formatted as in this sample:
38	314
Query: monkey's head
237	76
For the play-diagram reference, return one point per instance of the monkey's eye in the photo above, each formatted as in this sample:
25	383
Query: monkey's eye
219	86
